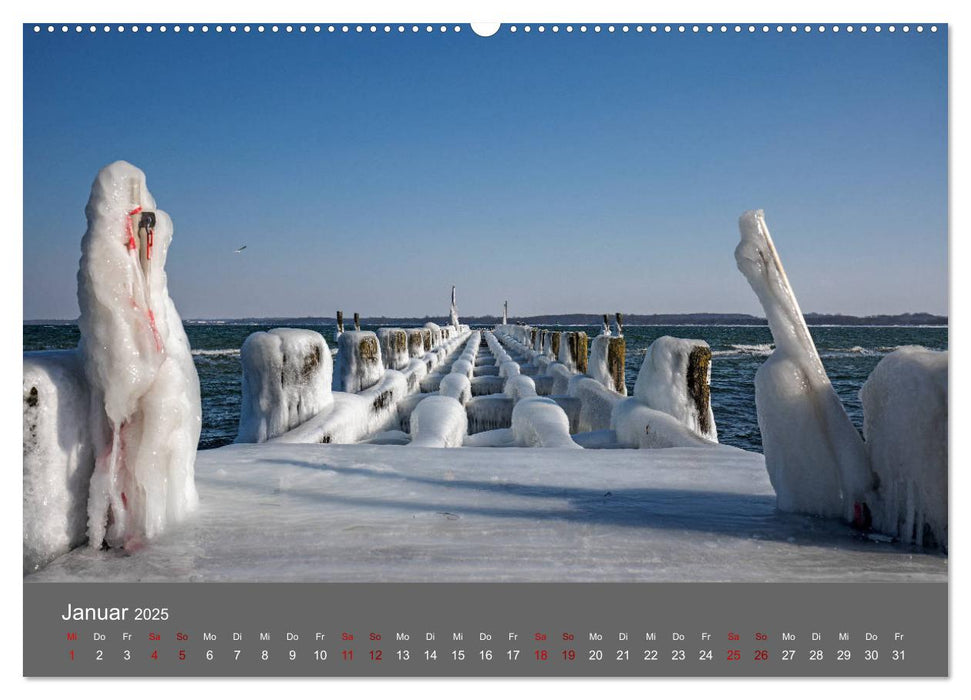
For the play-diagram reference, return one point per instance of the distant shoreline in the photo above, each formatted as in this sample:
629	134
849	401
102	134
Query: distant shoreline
696	319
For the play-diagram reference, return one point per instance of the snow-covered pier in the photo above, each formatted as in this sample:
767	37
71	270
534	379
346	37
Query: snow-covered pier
381	461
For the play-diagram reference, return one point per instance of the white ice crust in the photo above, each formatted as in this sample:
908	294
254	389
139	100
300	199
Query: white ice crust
145	406
358	365
394	347
905	425
438	421
637	425
286	381
662	383
456	386
539	422
597	366
58	455
814	454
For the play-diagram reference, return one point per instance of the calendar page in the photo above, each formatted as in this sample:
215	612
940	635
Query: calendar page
433	349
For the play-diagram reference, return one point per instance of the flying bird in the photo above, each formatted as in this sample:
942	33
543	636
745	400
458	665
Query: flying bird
240	249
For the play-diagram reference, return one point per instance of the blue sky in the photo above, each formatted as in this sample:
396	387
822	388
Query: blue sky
566	173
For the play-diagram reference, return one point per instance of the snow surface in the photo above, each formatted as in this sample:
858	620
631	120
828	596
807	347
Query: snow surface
287	375
145	412
276	512
905	426
58	455
814	454
662	383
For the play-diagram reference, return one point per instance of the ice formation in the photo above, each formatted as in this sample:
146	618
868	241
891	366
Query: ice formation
519	387
905	425
489	412
606	363
416	342
539	422
596	402
453	312
286	381
640	426
58	455
145	407
435	334
394	347
674	378
438	421
815	457
358	364
457	386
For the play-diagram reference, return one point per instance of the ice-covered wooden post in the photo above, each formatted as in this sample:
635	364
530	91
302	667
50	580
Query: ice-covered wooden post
145	406
357	321
394	347
287	374
359	364
416	342
505	313
618	323
675	378
573	352
555	344
58	455
607	357
813	453
340	325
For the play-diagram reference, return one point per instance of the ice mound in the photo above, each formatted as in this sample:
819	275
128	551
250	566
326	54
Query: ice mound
905	425
640	426
561	378
394	347
145	407
596	402
457	386
674	378
814	455
359	364
286	381
519	386
438	421
539	422
463	367
58	455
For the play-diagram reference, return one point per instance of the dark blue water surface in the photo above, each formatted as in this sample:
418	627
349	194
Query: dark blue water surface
849	353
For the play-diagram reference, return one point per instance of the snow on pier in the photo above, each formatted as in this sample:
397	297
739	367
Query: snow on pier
277	512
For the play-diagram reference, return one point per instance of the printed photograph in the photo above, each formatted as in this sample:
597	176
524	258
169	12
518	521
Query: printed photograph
407	303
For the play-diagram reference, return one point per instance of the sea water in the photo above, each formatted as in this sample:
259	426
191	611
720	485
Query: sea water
849	354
